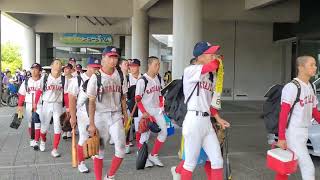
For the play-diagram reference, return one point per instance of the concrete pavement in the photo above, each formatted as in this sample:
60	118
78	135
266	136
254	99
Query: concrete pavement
247	151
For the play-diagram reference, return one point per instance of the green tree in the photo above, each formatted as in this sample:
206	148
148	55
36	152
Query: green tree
10	57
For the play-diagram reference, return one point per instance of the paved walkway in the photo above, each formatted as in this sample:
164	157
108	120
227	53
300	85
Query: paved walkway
247	152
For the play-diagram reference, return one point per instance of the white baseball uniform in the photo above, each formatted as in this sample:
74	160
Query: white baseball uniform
150	99
133	82
82	114
197	129
108	114
30	92
52	99
297	132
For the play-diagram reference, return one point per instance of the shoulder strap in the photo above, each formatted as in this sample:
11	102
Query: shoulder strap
313	88
63	82
145	82
99	84
45	80
128	80
211	76
79	80
121	76
188	99
295	82
159	77
26	84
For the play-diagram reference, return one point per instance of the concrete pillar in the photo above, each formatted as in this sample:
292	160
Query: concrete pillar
29	48
140	35
128	49
187	31
38	48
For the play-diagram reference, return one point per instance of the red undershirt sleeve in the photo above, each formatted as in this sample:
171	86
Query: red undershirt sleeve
283	120
139	104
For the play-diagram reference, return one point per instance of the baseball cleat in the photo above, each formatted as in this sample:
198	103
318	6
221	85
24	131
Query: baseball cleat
42	146
148	164
155	160
35	146
127	150
69	134
175	175
55	153
83	168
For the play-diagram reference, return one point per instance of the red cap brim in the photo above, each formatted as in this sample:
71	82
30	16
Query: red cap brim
112	54
212	50
94	65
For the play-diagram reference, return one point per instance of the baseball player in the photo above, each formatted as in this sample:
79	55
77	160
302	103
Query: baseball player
107	108
150	103
67	73
197	128
176	170
295	137
73	62
79	68
78	111
27	91
54	93
123	65
132	78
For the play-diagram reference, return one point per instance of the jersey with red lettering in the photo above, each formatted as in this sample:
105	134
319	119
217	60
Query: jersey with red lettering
54	89
302	112
30	90
150	94
202	95
76	90
109	97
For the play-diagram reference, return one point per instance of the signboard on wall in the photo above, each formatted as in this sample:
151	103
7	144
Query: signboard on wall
73	39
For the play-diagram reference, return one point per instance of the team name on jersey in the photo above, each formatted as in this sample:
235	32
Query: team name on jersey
111	88
307	100
153	89
29	89
54	88
206	85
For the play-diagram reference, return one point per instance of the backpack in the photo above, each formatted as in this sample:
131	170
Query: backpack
131	97
63	82
175	104
272	106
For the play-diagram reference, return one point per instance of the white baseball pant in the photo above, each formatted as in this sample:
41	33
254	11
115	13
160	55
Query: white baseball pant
83	122
198	132
50	110
111	122
297	141
137	121
28	115
158	115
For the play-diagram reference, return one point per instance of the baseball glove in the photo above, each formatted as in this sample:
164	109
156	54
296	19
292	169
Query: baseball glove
143	125
65	122
154	127
91	146
219	131
16	120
